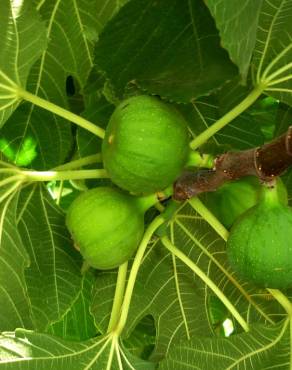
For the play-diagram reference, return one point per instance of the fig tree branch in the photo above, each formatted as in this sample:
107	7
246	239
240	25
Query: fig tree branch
266	162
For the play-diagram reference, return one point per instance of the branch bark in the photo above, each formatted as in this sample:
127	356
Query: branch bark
265	162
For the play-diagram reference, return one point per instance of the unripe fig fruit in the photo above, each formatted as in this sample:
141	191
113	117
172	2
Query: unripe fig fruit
146	145
259	246
233	198
107	225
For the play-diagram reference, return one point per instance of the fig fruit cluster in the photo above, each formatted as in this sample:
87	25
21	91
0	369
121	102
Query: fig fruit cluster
144	150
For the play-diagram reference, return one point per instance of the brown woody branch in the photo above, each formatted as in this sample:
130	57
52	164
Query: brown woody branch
265	162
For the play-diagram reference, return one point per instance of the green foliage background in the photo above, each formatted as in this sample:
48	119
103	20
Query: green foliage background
204	57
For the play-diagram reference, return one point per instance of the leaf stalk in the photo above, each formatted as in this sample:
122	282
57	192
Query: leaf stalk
228	117
134	271
179	254
118	297
64	175
64	113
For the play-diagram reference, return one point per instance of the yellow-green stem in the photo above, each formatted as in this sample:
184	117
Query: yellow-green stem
283	300
223	121
60	192
179	254
224	233
197	159
64	175
280	89
72	117
90	159
280	80
8	180
134	271
10	190
118	297
209	217
265	74
6	164
146	201
278	72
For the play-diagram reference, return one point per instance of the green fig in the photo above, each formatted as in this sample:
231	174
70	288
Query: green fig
107	225
146	145
259	246
233	198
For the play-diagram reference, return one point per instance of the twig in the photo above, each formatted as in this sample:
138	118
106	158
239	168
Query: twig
265	162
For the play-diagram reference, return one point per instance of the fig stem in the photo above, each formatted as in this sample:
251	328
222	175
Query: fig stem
180	255
64	113
134	271
147	201
14	178
118	297
270	194
11	190
283	300
273	194
60	193
8	165
197	159
63	175
228	117
208	216
90	159
85	267
8	170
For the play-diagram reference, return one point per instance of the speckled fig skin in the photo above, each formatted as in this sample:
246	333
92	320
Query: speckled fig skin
146	145
259	247
106	225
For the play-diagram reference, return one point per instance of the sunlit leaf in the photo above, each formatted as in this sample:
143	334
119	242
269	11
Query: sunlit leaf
106	9
22	39
237	22
264	347
14	301
33	351
178	300
78	323
54	261
273	50
85	56
71	32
